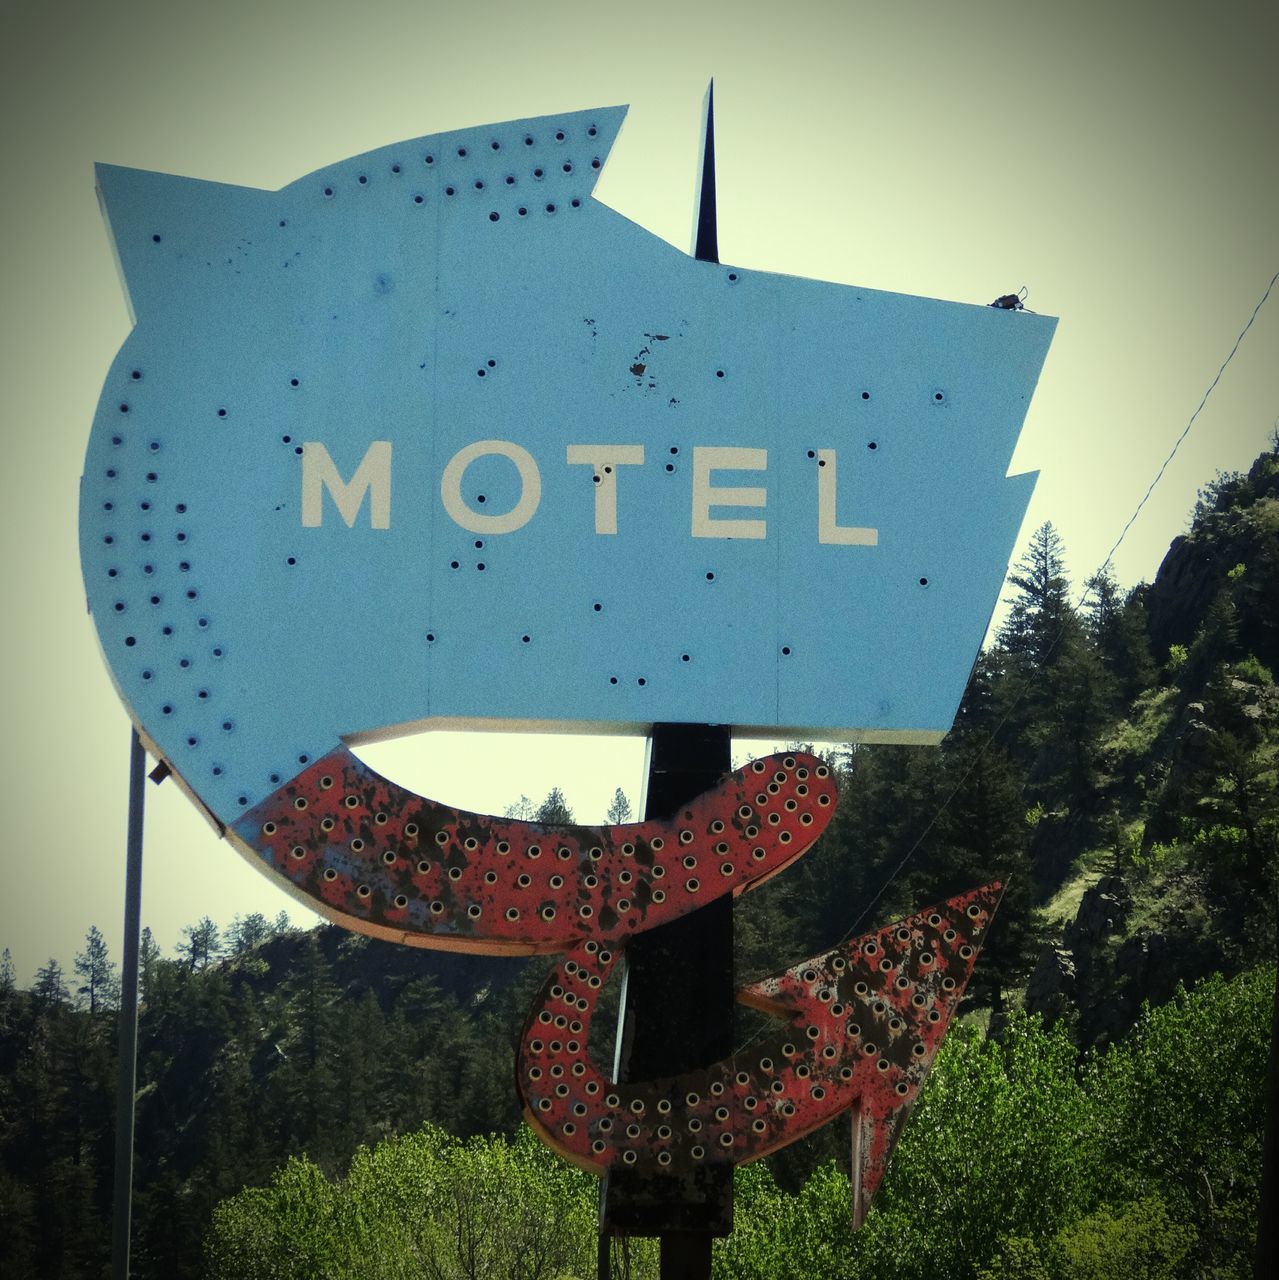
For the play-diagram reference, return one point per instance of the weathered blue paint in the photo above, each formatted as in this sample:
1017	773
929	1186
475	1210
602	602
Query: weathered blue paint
364	303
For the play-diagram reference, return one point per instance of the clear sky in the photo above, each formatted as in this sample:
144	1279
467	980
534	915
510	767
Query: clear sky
1116	159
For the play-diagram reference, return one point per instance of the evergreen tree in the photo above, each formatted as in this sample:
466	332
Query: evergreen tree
306	1078
50	990
982	836
1060	690
245	933
1040	613
201	946
1072	703
100	985
8	1004
149	962
1116	627
554	810
619	811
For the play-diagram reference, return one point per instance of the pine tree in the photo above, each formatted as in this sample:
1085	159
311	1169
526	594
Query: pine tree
202	942
1040	613
247	932
100	985
554	810
1116	627
50	989
306	1078
148	963
619	811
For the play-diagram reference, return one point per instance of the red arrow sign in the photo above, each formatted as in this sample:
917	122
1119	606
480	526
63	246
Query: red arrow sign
377	858
864	1022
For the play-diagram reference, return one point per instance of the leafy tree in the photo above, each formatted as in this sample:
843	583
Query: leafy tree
998	1139
1164	1099
522	810
1138	1239
425	1204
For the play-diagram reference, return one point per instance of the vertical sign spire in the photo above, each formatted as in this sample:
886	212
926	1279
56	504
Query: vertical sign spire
706	229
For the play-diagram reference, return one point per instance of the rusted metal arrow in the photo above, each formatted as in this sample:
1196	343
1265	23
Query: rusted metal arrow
379	859
864	1022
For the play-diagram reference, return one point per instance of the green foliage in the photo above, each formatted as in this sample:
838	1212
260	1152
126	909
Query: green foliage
1191	1073
1013	1167
99	987
1138	1240
425	1205
1142	865
1000	1137
1016	1167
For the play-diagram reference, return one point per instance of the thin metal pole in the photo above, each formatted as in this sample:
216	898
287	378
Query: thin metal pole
126	1083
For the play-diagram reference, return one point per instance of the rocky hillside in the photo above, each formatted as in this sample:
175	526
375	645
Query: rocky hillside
1175	875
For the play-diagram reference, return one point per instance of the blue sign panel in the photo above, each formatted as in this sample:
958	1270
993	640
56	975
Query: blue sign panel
433	437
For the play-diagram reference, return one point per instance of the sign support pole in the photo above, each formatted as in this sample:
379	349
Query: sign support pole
677	999
126	1082
677	1015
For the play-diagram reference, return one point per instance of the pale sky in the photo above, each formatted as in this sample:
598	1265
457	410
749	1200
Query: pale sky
1117	160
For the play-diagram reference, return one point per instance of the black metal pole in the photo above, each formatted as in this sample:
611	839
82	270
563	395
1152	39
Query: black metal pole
676	1011
126	1081
677	993
677	1015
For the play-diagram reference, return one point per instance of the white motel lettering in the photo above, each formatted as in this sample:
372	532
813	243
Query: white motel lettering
372	478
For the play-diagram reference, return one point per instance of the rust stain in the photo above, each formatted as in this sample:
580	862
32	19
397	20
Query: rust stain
382	860
862	1026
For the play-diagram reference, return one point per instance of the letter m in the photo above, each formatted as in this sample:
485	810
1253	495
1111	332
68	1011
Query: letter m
373	473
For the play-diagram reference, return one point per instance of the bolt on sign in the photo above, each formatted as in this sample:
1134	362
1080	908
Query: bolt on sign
432	437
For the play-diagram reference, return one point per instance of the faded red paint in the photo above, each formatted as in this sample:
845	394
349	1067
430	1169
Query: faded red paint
379	859
864	1022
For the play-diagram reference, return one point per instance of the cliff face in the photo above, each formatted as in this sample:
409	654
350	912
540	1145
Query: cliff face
1181	874
1236	523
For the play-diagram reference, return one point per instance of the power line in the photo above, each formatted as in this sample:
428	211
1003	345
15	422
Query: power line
977	759
1186	430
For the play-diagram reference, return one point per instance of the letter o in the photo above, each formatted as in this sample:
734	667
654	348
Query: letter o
477	522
